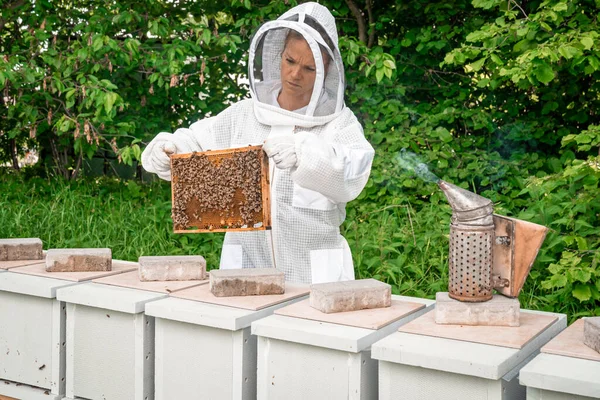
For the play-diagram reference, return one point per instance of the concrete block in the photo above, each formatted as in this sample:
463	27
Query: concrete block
350	295
246	282
78	260
591	333
172	268
499	311
20	249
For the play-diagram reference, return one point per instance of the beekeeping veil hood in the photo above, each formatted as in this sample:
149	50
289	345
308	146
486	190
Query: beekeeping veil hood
316	24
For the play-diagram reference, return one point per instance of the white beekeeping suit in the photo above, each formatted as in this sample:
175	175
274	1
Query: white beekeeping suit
320	159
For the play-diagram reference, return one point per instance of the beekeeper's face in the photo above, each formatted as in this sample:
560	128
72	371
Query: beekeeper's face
298	70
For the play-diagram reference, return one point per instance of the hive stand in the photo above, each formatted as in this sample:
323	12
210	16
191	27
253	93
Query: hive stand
110	340
306	354
566	369
426	361
32	328
204	349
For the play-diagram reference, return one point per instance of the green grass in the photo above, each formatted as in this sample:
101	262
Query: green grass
130	218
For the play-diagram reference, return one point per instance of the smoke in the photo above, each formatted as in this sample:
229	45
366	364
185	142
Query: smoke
409	161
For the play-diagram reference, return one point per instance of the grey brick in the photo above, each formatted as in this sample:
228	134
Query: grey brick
591	333
246	282
172	268
20	249
499	311
350	295
78	260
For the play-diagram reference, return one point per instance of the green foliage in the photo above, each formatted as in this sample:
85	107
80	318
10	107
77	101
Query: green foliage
84	76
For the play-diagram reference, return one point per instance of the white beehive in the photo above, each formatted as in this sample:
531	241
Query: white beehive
428	361
204	348
110	340
306	354
566	369
31	336
32	328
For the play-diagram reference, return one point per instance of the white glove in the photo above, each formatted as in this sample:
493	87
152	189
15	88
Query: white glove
282	149
155	157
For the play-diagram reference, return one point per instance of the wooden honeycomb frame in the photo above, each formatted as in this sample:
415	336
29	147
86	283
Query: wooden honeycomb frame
214	190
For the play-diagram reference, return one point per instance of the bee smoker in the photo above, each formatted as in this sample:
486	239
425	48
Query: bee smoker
487	251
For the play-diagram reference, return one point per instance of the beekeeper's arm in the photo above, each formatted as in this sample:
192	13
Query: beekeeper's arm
207	134
338	169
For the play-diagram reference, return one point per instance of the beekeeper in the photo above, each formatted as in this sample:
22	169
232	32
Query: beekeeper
319	157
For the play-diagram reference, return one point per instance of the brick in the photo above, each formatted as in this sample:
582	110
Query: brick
172	268
499	311
591	333
20	249
350	295
246	282
78	260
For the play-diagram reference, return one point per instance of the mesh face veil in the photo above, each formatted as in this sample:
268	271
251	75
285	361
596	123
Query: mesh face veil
317	26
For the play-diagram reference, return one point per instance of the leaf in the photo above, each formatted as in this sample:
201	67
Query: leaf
555	268
569	52
109	100
444	134
97	42
476	66
557	281
581	275
379	74
521	46
388	72
594	62
560	7
483	83
390	64
70	93
544	73
485	4
206	35
587	42
582	292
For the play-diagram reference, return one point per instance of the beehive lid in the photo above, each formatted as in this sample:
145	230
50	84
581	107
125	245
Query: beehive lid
131	280
5	265
374	318
221	190
203	294
570	343
505	336
31	285
118	267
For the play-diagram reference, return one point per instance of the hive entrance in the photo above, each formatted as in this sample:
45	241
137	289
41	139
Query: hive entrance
222	190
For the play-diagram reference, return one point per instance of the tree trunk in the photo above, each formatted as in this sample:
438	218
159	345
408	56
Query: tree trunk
360	20
14	154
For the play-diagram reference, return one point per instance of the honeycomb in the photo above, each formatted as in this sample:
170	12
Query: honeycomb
218	191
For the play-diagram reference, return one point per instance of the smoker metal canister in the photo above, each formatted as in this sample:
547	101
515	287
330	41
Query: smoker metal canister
471	239
470	262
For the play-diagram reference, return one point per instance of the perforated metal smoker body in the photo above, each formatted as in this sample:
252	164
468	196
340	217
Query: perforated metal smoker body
470	262
471	244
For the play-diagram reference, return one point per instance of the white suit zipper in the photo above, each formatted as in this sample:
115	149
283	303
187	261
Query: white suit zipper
276	130
273	174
